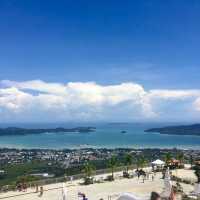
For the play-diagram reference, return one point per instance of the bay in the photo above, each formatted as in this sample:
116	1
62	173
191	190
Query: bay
107	135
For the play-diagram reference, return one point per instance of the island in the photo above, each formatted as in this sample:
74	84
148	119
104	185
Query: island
123	132
10	131
193	129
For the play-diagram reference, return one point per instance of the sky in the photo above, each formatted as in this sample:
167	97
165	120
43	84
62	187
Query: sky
108	60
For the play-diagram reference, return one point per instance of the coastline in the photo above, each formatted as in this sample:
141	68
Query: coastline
134	147
105	136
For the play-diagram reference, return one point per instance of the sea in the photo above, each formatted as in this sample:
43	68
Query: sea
107	135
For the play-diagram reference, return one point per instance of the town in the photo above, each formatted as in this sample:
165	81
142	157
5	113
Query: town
67	157
45	163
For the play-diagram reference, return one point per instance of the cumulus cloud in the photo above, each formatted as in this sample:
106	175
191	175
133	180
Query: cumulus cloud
196	104
37	100
174	94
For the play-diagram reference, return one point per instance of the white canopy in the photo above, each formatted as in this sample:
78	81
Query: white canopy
158	162
128	196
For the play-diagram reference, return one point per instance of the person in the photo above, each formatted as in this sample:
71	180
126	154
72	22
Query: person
137	173
173	193
154	173
152	177
36	188
155	196
24	187
41	191
19	187
84	197
143	178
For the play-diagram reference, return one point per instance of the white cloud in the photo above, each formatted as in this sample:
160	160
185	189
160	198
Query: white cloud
13	99
174	94
37	100
196	104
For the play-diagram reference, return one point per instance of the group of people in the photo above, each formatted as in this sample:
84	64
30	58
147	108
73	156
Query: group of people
145	175
22	187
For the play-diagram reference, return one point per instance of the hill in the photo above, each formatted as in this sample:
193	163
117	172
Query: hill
193	129
24	131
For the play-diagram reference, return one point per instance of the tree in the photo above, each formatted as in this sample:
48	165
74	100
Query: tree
191	160
112	163
180	157
88	171
141	162
128	161
168	158
197	172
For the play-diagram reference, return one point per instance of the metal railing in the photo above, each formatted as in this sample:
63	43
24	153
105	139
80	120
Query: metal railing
48	181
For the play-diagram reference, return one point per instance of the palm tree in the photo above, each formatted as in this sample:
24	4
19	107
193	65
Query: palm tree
128	161
141	162
180	157
112	163
88	171
191	160
138	163
168	158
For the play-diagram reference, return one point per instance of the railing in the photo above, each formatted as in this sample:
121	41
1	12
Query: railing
64	179
77	176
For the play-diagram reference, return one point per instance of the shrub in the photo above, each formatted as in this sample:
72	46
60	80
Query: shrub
110	178
88	180
126	175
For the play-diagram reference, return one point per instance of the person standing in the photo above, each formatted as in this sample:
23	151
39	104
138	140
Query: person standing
36	188
41	191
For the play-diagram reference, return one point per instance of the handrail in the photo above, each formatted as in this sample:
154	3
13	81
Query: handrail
27	193
68	178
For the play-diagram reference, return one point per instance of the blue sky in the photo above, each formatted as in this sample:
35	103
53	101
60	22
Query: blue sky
154	44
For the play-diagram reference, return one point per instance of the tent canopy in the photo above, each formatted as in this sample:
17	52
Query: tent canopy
158	162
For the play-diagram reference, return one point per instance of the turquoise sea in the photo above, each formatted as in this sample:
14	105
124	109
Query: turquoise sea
107	135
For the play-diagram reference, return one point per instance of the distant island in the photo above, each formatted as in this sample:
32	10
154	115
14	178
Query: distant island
10	131
193	129
123	131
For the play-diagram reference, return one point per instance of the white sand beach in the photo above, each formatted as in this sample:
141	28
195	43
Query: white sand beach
100	190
